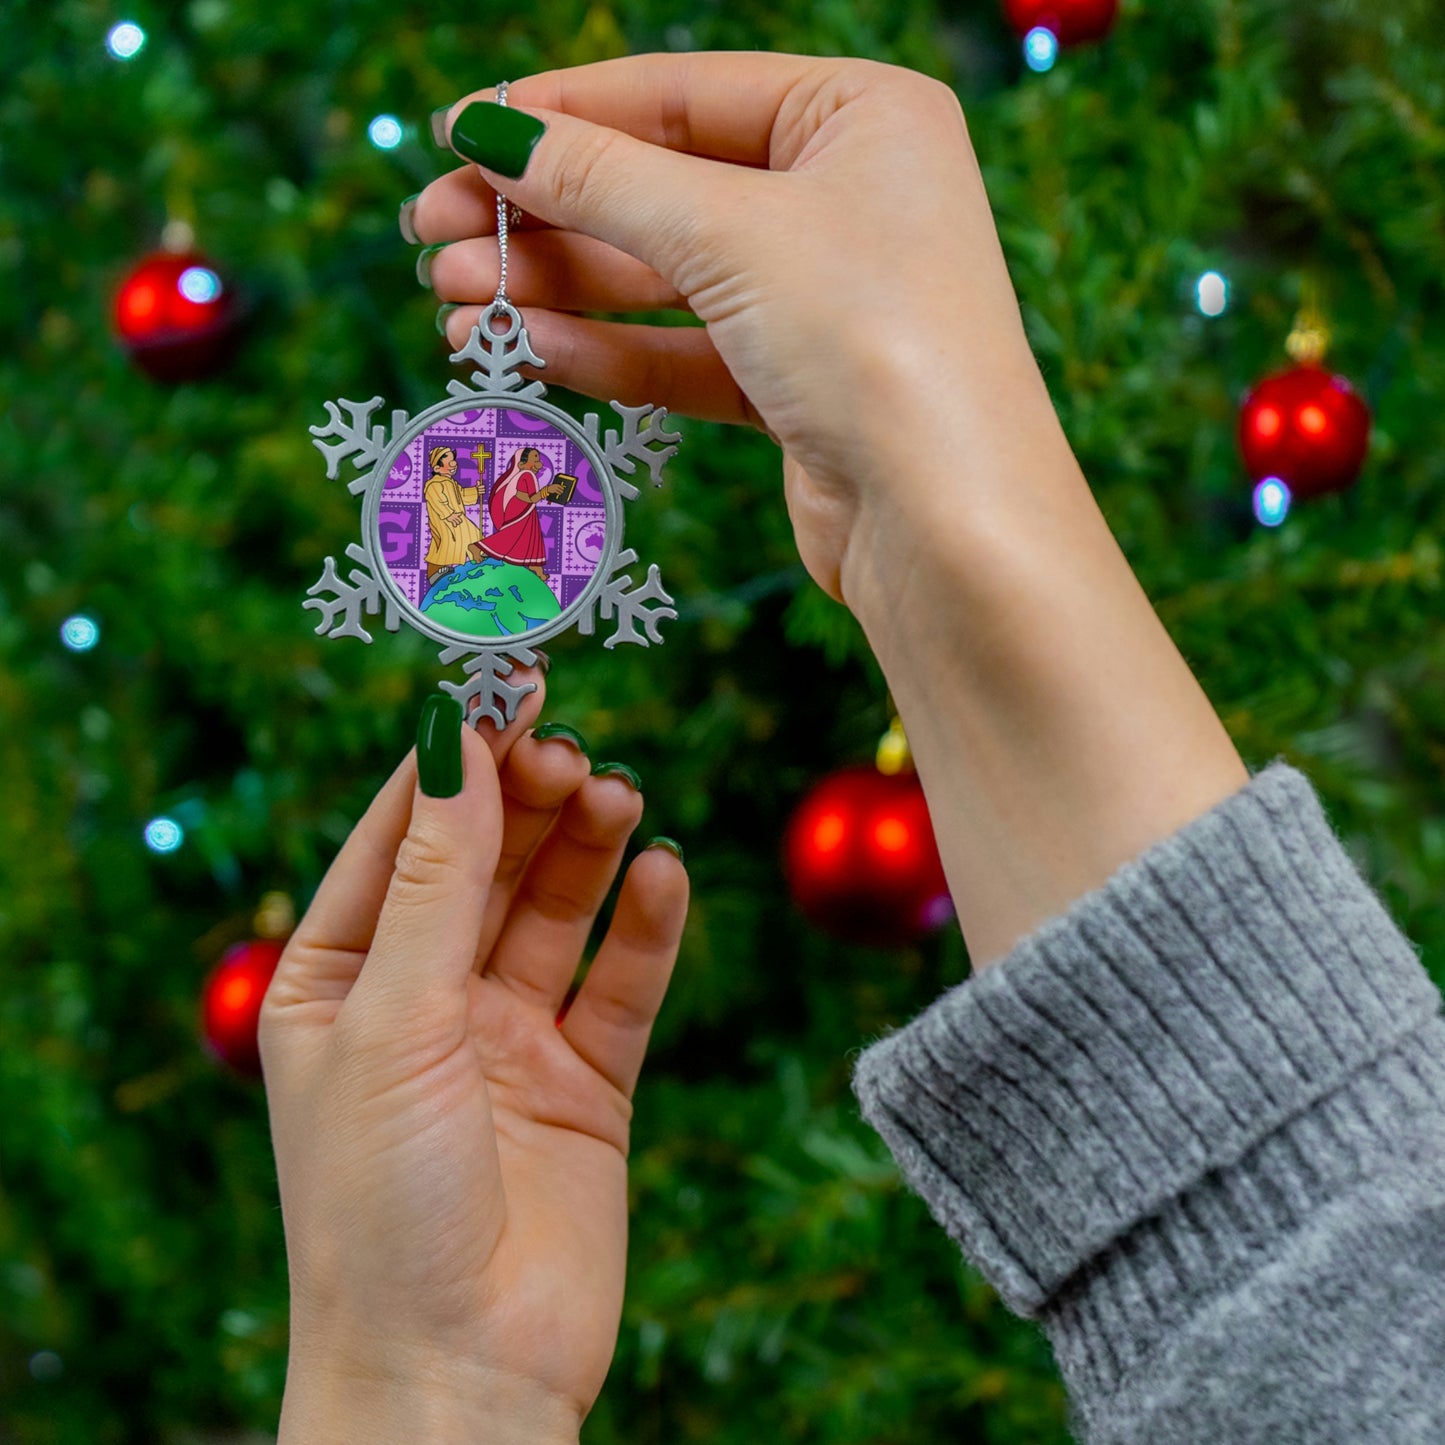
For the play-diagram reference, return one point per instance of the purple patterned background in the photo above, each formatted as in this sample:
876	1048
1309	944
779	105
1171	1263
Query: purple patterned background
575	534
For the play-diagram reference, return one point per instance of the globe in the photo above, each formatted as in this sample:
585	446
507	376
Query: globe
490	598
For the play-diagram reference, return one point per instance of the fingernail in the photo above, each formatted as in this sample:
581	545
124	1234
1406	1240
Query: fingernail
439	126
543	661
671	844
561	730
423	262
443	311
404	219
496	136
439	747
621	770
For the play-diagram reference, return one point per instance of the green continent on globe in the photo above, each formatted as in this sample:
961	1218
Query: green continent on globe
490	598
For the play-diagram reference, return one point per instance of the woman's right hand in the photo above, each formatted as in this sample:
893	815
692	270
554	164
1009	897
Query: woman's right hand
825	218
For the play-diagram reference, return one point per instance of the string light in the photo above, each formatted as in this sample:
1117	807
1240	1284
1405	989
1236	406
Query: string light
45	1366
80	633
1211	293
126	40
385	132
1271	502
199	284
1041	48
164	835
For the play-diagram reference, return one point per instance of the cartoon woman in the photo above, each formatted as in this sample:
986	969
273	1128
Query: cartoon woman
452	531
517	534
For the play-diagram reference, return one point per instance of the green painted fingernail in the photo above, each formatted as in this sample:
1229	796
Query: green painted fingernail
439	126
439	747
561	730
621	770
443	311
423	262
405	220
496	136
671	844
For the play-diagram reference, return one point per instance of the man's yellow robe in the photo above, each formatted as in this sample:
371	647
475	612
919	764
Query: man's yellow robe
449	541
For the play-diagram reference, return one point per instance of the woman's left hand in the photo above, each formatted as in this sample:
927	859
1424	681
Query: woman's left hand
452	1159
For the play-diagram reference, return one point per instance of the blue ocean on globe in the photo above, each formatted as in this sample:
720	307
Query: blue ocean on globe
490	598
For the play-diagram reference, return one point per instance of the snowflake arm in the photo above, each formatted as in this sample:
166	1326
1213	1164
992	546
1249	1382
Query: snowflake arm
484	688
341	613
498	356
359	440
629	606
643	438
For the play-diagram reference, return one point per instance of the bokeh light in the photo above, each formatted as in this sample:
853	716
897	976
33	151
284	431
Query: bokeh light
199	284
1041	48
126	40
164	835
80	633
1211	293
385	132
1271	502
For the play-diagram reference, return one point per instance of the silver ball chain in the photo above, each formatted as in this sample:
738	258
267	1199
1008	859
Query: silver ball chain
501	300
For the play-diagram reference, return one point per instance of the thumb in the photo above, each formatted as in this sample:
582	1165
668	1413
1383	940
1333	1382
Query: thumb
661	206
426	934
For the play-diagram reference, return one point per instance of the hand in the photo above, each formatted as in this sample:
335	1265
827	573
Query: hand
456	519
840	250
453	1161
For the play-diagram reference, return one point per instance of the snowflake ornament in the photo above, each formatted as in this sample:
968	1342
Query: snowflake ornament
492	521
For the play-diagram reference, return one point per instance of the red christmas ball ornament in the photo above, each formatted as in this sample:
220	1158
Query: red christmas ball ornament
176	317
1071	22
1306	426
231	1003
861	860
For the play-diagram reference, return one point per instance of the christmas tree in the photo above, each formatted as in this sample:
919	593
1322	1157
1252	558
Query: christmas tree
177	743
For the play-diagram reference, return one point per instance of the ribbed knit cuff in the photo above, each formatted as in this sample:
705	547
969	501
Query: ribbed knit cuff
1230	978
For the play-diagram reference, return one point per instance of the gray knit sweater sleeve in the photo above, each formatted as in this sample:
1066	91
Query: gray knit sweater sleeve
1195	1126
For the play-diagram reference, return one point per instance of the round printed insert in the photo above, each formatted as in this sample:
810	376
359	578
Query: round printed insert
495	524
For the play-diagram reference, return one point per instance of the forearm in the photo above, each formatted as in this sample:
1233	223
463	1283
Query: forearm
1057	730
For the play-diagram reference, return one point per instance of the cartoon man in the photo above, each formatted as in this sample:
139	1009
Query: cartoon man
452	531
517	534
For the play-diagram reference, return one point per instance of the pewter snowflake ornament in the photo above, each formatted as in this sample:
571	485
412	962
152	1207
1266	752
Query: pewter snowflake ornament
492	521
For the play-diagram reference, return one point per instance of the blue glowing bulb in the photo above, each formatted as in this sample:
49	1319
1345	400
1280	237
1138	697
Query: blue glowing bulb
80	633
385	132
126	40
164	835
1271	502
1211	294
199	284
1041	48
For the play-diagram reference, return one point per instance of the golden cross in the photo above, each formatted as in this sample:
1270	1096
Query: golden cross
481	457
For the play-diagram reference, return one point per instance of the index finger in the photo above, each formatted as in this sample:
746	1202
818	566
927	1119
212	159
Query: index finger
723	105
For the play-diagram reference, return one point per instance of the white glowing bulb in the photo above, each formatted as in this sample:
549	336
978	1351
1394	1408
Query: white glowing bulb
1211	293
1041	48
164	835
199	284
80	633
126	40
1271	502
385	132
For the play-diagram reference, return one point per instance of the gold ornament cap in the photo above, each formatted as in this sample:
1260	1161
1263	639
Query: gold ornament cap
275	917
1310	339
894	755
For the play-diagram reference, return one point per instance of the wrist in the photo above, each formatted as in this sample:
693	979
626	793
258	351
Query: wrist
421	1399
991	470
